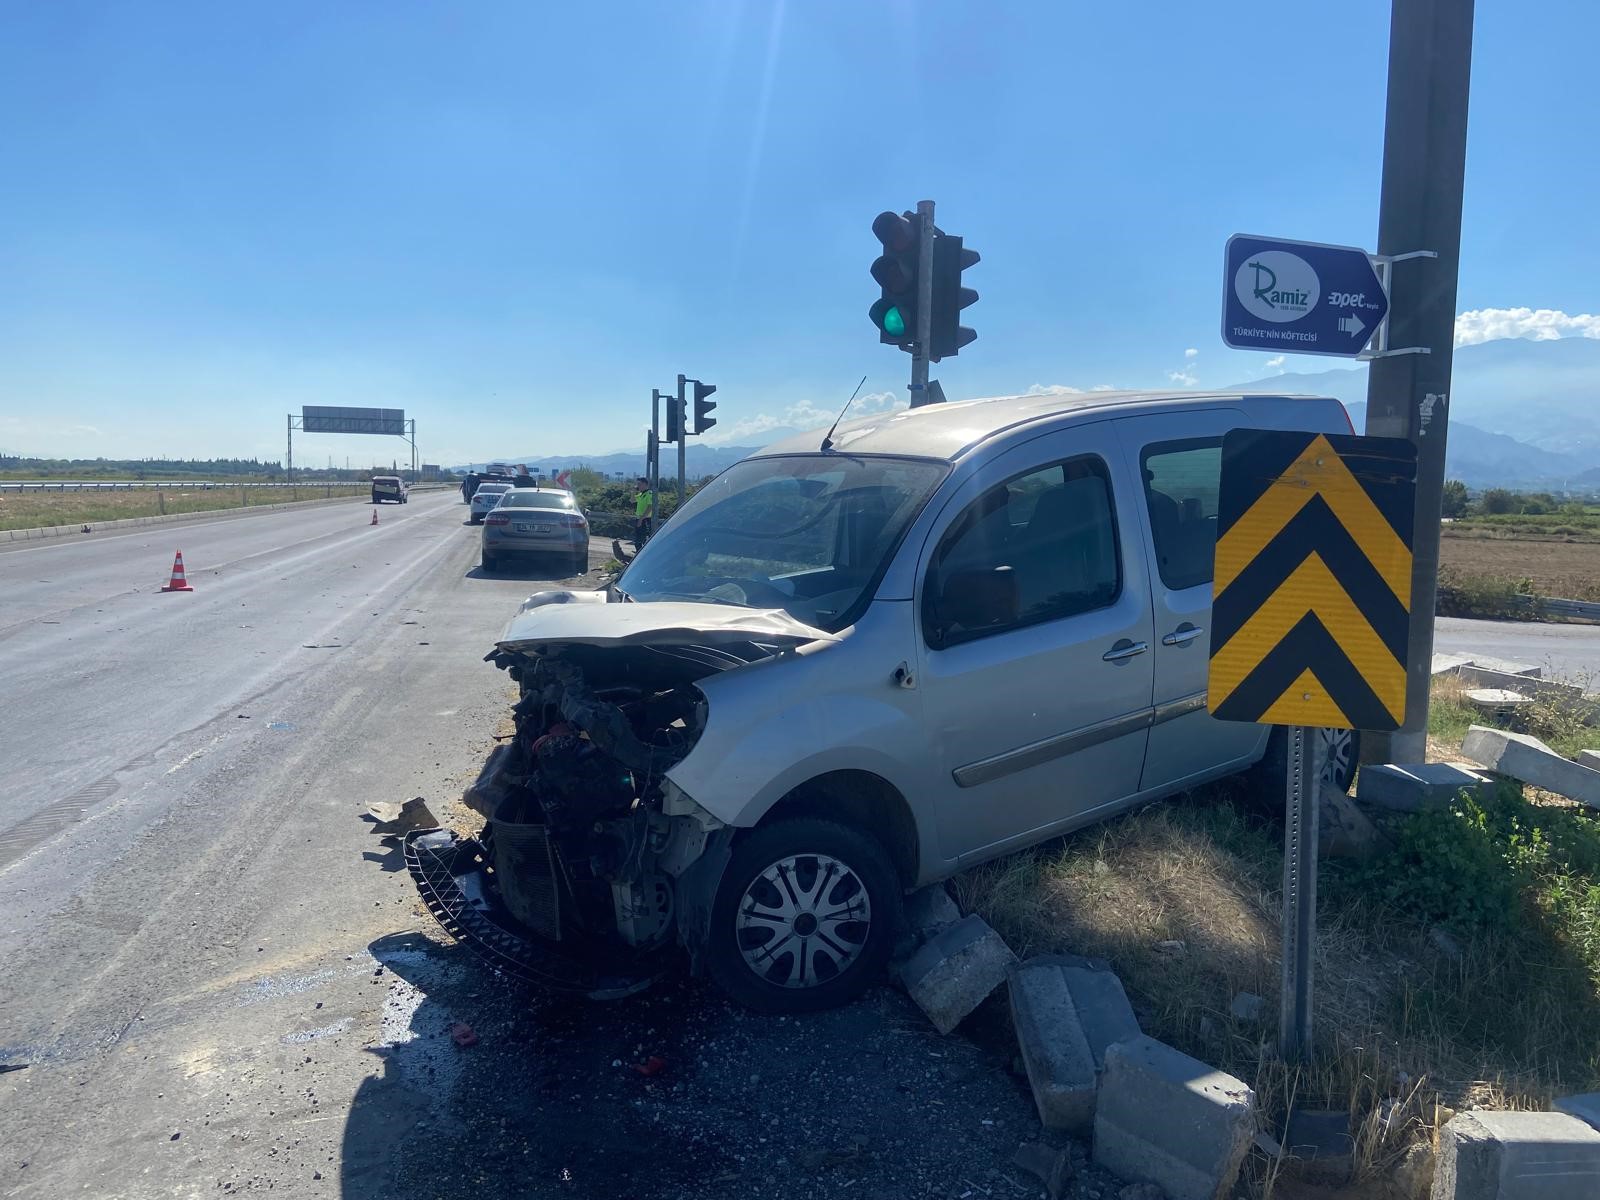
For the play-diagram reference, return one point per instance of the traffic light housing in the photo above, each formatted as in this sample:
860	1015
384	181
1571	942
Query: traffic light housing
702	407
895	271
948	334
674	430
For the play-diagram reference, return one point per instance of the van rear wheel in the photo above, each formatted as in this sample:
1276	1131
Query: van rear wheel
803	918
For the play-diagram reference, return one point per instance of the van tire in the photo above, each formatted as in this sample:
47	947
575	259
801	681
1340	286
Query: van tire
765	853
1266	779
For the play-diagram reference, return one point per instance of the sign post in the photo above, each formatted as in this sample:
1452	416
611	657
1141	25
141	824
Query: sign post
1310	615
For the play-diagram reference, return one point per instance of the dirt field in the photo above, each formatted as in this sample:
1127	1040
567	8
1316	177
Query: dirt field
1570	570
35	510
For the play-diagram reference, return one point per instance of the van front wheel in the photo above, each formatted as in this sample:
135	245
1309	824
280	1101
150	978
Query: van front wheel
803	918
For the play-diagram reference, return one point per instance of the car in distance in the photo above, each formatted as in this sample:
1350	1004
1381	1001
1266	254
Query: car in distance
486	497
388	487
849	667
536	521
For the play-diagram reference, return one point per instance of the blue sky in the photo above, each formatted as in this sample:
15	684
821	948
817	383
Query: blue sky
513	220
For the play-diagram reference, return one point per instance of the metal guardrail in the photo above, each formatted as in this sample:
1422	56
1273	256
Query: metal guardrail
1551	606
195	485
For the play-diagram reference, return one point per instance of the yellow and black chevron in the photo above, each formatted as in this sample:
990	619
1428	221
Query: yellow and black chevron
1311	603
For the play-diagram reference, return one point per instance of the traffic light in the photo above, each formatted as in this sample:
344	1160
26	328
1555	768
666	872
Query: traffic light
895	271
674	431
948	335
702	407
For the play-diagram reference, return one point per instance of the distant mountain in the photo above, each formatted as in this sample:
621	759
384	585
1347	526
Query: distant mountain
1524	413
699	461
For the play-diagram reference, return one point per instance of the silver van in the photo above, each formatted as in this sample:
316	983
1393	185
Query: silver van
844	671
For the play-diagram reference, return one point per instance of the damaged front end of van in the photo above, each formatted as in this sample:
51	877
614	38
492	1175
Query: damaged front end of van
593	867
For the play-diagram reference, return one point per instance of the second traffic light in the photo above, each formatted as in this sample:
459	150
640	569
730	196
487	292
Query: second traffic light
947	333
674	430
702	407
895	271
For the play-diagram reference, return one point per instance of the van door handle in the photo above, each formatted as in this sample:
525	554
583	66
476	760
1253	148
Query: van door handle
1124	649
1182	635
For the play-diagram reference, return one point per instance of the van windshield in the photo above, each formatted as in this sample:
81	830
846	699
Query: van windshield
810	534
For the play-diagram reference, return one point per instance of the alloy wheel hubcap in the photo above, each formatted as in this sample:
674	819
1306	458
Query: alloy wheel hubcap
803	921
1335	755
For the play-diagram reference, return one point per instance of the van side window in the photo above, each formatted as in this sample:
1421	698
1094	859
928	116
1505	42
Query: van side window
1180	488
1038	547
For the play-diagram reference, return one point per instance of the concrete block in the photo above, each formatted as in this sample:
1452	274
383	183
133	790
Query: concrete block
1517	1156
956	970
1319	1144
1586	1107
1053	1167
1589	758
1416	787
1530	760
1486	662
930	911
1449	664
1565	697
1247	1006
1343	830
1498	702
1066	1016
1168	1119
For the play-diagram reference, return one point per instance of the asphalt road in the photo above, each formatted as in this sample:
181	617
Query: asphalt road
1569	652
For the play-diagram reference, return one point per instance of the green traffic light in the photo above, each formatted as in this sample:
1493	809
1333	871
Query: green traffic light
894	321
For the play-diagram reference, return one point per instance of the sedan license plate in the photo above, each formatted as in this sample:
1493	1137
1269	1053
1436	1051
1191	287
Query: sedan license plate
526	527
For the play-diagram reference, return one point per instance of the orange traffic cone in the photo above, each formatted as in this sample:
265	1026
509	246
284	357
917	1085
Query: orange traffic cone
179	583
374	520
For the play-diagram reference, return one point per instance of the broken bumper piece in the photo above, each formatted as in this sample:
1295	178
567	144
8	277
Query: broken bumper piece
450	873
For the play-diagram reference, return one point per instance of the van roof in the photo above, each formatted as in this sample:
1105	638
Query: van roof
947	431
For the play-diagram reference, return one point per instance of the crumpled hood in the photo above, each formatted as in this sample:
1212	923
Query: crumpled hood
585	618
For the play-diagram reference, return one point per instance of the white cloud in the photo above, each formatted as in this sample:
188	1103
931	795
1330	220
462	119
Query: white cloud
1051	389
1104	387
1185	378
1276	361
1191	352
804	415
1539	324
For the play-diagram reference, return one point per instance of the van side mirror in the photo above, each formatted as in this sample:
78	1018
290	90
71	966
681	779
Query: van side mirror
969	602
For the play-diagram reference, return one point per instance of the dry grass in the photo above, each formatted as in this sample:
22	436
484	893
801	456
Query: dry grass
1408	1030
39	509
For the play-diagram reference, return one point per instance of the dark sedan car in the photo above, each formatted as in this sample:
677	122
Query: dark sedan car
536	521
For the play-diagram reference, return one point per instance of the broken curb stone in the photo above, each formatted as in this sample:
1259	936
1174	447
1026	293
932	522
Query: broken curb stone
1171	1120
1589	758
956	970
1586	1107
1517	1156
1343	830
1530	760
1247	1006
1053	1021
1319	1145
1053	1167
930	911
1420	787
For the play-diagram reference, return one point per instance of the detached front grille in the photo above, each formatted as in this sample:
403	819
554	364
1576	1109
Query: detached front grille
525	871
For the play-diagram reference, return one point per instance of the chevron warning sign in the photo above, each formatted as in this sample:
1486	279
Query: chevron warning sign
1312	600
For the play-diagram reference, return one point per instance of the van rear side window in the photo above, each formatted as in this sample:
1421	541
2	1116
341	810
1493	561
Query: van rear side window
1180	488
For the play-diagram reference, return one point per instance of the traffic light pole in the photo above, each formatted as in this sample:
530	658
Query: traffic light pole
654	465
1424	162
683	438
919	356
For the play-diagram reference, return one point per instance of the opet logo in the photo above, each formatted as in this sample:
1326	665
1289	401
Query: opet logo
1277	286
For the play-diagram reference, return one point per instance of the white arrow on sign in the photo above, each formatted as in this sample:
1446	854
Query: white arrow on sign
1351	325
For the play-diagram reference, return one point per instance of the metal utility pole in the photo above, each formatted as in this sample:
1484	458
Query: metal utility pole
288	464
1408	395
683	440
919	355
653	465
1302	819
